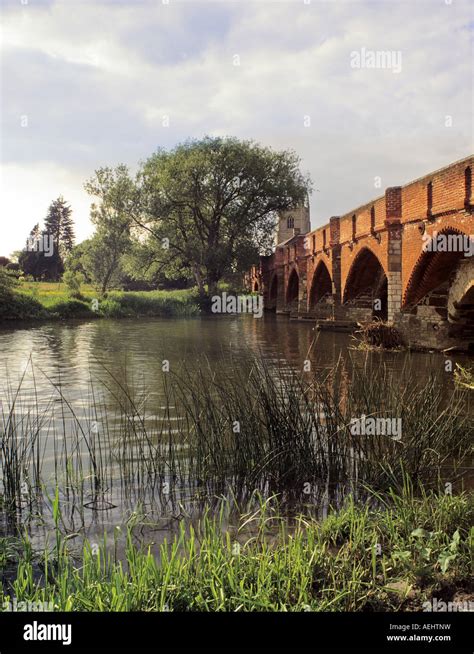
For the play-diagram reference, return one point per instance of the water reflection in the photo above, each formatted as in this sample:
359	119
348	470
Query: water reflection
76	362
69	353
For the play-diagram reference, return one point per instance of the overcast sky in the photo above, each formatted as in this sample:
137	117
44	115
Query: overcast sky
88	83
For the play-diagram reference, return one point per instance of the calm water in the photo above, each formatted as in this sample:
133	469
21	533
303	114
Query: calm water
70	359
68	353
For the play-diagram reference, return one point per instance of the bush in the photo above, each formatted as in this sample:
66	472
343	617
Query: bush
17	306
112	309
14	270
73	281
71	309
7	284
33	301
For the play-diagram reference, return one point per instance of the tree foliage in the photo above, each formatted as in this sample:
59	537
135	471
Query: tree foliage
203	211
60	225
210	206
7	284
31	260
46	250
116	194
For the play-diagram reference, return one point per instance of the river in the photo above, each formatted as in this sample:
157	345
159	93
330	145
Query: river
66	360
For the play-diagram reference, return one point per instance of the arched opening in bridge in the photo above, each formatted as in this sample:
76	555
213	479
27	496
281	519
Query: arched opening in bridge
463	328
273	297
434	271
321	286
293	287
255	286
442	282
366	285
461	304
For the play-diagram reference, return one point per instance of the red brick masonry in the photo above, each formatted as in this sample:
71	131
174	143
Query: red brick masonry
379	260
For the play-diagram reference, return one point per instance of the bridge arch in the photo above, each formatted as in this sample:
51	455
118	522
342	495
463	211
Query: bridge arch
274	287
367	282
321	284
461	293
293	287
460	303
434	269
273	292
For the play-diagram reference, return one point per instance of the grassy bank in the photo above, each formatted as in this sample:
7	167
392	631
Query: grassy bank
406	552
51	301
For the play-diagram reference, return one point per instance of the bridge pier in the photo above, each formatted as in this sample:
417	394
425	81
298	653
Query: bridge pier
335	235
281	292
393	210
303	288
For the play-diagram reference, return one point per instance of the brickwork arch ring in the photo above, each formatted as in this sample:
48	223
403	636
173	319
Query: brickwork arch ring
431	269
461	288
366	271
321	284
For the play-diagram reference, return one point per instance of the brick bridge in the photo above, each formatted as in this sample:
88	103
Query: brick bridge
386	259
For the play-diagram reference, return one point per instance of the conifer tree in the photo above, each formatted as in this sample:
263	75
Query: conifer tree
31	259
59	226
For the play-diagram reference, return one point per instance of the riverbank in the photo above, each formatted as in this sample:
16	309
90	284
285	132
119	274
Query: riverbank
412	553
36	301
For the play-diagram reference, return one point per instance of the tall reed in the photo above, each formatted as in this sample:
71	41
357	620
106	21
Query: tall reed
231	428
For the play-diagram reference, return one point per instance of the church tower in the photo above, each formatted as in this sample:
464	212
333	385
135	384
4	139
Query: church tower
293	222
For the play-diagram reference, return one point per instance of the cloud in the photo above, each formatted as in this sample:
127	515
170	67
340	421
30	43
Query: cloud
96	79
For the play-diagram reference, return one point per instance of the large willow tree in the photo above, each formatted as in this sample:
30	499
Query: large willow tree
210	206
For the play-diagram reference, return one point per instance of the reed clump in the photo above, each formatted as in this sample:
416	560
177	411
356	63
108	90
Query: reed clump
236	427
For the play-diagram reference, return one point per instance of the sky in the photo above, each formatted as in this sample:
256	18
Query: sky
86	84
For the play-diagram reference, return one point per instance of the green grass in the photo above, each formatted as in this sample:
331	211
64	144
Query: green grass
182	303
49	301
393	557
50	293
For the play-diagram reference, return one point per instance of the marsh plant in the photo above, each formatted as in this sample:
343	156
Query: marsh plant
229	429
406	549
